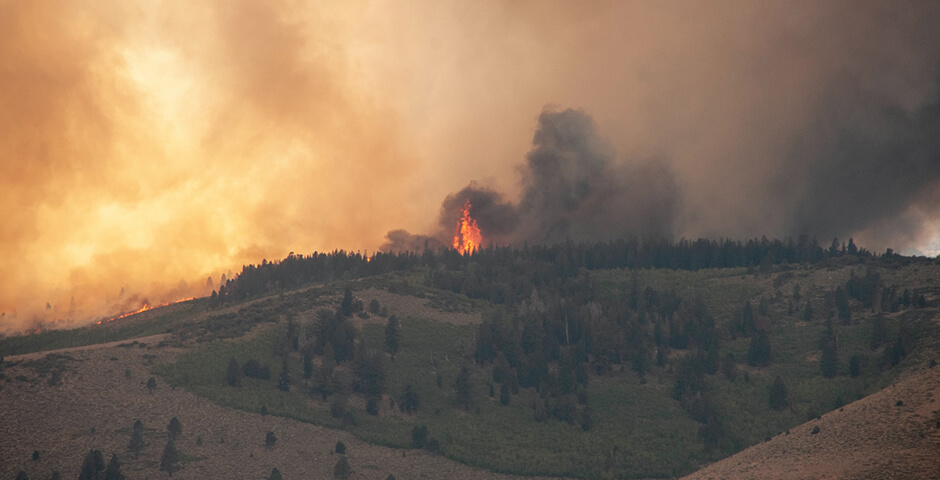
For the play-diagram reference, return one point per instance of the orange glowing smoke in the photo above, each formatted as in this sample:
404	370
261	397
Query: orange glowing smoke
467	238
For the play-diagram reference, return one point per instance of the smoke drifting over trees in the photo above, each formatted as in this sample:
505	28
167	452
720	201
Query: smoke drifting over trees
868	163
572	188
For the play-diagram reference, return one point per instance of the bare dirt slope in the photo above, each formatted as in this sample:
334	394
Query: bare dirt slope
891	434
96	393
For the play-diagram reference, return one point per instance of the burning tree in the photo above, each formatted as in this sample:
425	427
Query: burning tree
467	238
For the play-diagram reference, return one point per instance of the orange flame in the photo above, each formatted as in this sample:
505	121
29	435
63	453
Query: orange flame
468	237
142	309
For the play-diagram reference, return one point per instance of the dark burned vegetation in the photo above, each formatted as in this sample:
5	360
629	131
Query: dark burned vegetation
622	359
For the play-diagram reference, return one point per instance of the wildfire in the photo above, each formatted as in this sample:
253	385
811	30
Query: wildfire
467	238
142	309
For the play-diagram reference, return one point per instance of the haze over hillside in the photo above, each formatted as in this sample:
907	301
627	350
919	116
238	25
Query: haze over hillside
148	146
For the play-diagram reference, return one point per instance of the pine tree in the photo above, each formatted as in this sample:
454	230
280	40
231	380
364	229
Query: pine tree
463	387
169	461
137	440
758	354
113	471
342	470
275	475
174	428
392	335
855	366
408	402
747	319
829	363
347	304
308	363
504	393
842	303
92	465
284	383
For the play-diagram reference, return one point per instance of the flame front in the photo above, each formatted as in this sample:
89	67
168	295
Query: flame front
468	237
142	309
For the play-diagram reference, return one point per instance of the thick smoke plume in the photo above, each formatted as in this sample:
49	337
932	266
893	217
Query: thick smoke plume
146	146
573	188
880	169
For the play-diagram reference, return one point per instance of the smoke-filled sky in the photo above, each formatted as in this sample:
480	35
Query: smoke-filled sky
145	146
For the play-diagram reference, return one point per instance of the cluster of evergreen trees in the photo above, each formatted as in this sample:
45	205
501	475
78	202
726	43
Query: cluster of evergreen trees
554	330
565	259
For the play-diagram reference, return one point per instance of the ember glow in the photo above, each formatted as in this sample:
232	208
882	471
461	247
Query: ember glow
467	238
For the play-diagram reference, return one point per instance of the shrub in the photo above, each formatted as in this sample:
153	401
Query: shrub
815	430
829	362
855	366
233	373
270	439
587	423
338	406
349	420
372	405
779	397
463	386
275	475
419	436
340	448
408	403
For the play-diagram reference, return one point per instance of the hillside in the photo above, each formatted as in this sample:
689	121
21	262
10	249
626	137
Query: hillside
891	434
521	364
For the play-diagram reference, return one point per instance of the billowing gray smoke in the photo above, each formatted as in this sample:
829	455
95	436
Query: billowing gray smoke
572	188
496	217
866	164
